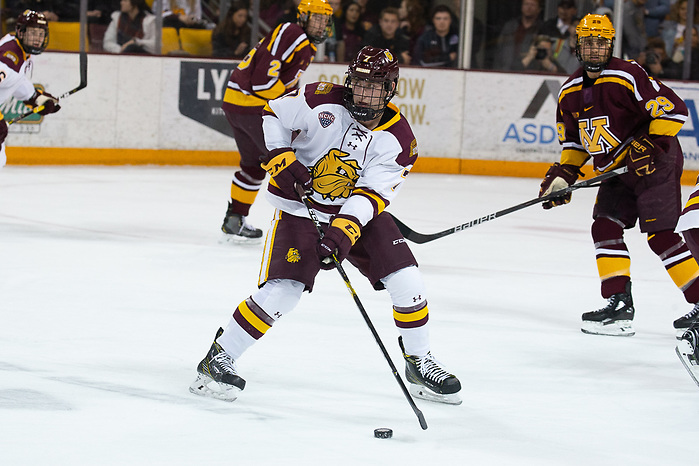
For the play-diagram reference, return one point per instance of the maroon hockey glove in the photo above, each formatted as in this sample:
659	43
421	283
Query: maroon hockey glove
3	130
558	177
344	231
286	172
49	102
642	151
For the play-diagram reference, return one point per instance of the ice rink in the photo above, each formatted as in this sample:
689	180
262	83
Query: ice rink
113	283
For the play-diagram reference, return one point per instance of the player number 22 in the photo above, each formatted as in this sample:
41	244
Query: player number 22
659	106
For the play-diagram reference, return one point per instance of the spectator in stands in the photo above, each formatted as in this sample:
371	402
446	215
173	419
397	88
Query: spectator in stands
184	14
231	38
438	46
132	29
539	56
386	35
563	52
290	12
673	30
53	10
657	64
655	12
517	36
271	11
351	33
412	20
563	25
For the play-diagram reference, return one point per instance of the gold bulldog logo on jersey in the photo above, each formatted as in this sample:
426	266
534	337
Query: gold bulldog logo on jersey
334	177
292	255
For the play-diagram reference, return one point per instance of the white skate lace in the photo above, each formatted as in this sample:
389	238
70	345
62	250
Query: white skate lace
430	368
692	313
226	363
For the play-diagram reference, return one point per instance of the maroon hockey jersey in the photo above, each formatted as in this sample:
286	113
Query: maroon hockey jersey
593	118
270	69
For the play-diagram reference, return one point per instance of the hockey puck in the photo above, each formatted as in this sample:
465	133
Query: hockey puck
383	432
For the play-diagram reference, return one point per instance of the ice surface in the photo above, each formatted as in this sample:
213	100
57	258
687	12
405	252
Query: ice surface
113	283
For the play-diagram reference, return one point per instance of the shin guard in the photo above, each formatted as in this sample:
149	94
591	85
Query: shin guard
678	261
612	255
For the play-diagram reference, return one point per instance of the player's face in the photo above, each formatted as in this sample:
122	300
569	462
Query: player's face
595	50
317	24
369	94
34	37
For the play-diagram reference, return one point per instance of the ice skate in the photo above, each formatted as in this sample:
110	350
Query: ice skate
236	229
616	319
217	375
429	380
688	352
683	323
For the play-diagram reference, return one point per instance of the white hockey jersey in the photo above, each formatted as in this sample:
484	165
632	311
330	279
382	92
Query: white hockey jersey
15	69
356	171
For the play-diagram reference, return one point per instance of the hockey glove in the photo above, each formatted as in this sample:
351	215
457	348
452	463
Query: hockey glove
344	231
39	98
558	177
286	171
640	157
3	130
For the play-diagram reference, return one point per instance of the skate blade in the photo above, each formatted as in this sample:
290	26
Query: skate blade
686	355
679	332
619	328
208	387
237	239
424	393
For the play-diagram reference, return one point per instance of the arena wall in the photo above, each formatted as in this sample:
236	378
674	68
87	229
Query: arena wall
165	110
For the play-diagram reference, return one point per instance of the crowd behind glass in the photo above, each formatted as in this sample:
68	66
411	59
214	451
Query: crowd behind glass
535	36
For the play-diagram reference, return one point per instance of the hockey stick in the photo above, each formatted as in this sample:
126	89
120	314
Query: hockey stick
342	272
421	238
82	85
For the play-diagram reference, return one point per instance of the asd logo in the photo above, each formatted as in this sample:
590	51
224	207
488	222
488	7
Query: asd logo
532	133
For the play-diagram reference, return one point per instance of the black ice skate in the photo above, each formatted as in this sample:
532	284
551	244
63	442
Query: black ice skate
429	380
616	319
236	229
217	375
686	321
688	351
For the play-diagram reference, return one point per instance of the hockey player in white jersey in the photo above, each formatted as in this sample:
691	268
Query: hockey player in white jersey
31	37
351	150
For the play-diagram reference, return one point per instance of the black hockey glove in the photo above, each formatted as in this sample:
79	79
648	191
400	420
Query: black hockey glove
49	102
343	232
286	171
641	154
558	177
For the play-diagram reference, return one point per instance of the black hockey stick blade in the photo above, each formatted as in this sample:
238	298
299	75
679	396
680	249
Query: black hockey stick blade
82	85
420	238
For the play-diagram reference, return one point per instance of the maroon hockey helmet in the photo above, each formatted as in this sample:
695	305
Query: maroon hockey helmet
32	19
371	65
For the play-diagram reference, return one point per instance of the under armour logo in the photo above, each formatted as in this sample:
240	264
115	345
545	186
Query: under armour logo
278	315
417	298
353	146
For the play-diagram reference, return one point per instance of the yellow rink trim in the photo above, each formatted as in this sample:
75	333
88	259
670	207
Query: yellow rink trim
82	156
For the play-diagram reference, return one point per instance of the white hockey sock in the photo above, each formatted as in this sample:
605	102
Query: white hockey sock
254	316
410	309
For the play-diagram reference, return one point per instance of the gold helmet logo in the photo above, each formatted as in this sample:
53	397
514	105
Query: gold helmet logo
334	177
595	25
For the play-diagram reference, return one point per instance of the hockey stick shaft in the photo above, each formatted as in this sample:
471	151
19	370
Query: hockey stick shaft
82	85
341	270
419	238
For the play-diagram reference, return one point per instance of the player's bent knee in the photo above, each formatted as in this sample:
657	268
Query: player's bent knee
405	287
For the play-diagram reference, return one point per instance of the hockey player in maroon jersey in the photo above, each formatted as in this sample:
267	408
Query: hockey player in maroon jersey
604	103
31	37
271	69
352	152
